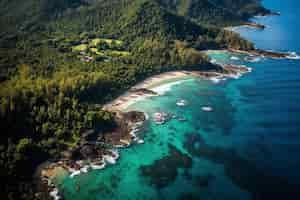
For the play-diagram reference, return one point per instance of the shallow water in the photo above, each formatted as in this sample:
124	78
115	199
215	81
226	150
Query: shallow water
246	148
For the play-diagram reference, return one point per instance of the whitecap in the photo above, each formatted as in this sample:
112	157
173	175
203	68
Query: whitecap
115	154
54	194
217	80
234	58
293	56
207	108
234	76
109	159
85	169
140	141
133	135
213	61
95	167
181	103
146	116
121	146
75	173
162	89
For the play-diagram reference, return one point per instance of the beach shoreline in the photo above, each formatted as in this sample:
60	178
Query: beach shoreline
150	86
144	90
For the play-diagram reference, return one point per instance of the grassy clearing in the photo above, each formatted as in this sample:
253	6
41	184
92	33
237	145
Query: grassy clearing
113	53
109	42
95	42
81	47
96	51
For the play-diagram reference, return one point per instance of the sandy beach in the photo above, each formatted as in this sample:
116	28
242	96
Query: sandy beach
144	90
152	86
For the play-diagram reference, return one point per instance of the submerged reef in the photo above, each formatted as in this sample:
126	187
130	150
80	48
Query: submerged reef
242	172
164	171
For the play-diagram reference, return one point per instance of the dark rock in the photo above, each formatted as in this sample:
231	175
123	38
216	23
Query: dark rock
255	25
134	116
88	135
189	196
88	151
203	181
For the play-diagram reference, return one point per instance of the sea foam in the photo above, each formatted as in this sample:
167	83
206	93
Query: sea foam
234	58
293	56
162	89
54	194
217	80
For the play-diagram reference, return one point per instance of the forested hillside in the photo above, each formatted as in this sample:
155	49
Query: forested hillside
243	8
60	60
216	12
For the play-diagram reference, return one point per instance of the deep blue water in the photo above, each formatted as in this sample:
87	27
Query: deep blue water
247	148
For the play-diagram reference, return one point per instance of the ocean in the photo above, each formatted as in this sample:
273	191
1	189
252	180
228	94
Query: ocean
246	147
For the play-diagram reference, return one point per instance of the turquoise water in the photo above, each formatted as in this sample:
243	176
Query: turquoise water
246	148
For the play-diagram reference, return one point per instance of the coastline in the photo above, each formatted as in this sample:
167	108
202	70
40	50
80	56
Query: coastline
129	125
144	90
154	85
150	87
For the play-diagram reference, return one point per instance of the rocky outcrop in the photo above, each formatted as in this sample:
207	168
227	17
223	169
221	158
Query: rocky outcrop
260	52
134	116
255	25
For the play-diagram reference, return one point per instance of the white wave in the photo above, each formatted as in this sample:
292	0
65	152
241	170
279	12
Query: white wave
95	167
249	69
217	80
75	173
213	61
207	108
140	141
293	56
162	89
146	116
54	194
121	146
133	135
135	100
115	154
109	159
85	169
234	76
181	103
234	58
